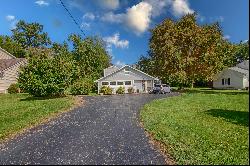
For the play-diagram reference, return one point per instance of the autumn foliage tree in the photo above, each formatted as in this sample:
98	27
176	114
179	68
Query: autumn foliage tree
184	52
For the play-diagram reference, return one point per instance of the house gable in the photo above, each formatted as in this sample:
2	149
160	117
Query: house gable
127	73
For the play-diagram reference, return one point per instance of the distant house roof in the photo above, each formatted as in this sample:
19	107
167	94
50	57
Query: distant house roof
6	63
244	65
240	70
122	69
7	53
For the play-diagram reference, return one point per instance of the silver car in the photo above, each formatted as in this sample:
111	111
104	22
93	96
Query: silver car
161	89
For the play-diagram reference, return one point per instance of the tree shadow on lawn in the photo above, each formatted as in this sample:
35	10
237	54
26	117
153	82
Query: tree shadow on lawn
32	98
236	117
213	91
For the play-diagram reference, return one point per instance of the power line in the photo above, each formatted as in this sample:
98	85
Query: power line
72	18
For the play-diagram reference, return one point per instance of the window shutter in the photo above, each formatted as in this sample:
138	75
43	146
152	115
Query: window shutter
228	81
222	81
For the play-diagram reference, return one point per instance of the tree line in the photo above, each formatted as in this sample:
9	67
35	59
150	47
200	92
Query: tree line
181	53
53	69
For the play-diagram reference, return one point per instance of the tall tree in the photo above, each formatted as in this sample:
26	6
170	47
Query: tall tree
184	52
8	44
30	35
90	56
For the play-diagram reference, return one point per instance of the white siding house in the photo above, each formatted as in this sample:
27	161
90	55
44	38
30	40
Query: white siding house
233	78
126	76
9	68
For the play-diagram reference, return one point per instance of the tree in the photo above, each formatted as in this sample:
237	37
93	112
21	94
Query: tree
8	44
90	56
60	49
45	75
30	35
185	52
242	52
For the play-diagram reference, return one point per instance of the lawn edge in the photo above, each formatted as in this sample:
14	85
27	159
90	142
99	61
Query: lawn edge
77	101
159	146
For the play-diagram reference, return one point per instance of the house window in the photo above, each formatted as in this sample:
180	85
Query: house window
226	81
105	83
112	83
127	82
119	83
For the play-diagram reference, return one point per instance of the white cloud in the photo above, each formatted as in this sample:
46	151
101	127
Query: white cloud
13	21
158	6
115	40
138	17
89	16
42	3
226	37
181	7
119	63
10	17
109	4
113	18
85	25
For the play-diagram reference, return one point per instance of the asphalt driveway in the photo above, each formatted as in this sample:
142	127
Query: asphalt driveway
104	131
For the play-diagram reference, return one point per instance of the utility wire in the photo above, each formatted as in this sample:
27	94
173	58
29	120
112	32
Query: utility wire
72	18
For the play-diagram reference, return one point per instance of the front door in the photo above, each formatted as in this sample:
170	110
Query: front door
143	86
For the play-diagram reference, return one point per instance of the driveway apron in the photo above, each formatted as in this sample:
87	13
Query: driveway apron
105	130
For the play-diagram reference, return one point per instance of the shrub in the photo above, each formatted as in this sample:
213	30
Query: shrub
120	90
106	90
46	76
13	88
131	90
82	87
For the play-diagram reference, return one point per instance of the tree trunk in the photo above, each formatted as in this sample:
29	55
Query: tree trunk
192	84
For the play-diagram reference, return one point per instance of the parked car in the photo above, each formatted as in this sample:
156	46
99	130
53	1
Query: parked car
161	89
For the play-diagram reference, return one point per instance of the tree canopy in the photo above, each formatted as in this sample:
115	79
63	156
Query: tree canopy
90	56
8	44
184	52
30	35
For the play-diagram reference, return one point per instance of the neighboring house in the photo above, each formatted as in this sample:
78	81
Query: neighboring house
126	76
9	68
233	78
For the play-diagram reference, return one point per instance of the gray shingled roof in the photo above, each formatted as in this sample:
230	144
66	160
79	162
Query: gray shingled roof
244	65
6	63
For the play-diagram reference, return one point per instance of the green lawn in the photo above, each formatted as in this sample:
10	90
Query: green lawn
202	126
19	111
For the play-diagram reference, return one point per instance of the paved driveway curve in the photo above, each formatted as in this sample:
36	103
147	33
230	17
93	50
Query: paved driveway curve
104	131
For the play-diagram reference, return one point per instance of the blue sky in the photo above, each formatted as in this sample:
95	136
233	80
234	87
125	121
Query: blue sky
123	24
